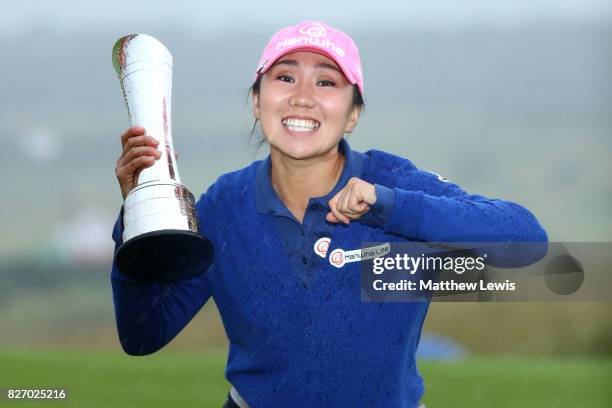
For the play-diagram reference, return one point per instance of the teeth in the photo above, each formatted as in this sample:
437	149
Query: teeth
301	125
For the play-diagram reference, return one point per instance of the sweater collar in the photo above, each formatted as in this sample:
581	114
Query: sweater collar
267	200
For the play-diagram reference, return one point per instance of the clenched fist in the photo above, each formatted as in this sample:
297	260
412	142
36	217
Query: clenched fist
352	201
139	152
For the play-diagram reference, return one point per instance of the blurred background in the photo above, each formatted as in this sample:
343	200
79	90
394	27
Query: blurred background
510	100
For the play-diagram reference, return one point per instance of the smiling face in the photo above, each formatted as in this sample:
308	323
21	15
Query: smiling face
305	106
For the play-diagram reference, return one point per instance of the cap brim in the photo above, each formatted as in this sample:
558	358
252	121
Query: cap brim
325	53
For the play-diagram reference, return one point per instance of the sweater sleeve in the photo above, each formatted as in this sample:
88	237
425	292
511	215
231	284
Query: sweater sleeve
429	208
381	210
150	314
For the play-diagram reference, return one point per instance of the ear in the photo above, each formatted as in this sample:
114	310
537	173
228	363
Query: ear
256	105
353	119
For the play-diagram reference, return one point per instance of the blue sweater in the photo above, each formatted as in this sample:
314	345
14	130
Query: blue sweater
313	343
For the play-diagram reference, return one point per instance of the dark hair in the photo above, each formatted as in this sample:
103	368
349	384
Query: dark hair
254	89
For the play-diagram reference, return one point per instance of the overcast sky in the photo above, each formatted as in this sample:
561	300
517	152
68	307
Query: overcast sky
202	15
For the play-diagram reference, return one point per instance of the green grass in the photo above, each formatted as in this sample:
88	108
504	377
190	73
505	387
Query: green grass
504	382
113	379
167	379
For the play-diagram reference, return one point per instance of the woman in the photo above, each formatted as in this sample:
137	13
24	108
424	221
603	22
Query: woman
299	335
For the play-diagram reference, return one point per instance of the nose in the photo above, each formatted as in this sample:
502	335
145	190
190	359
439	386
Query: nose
302	96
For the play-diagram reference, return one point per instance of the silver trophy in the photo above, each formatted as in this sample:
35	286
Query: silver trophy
161	238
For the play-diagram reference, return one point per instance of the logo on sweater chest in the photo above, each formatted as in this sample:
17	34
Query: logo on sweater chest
339	257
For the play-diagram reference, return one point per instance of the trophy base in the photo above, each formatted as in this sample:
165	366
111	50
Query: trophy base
165	256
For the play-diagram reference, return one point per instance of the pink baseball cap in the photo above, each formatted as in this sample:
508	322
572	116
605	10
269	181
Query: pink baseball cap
317	37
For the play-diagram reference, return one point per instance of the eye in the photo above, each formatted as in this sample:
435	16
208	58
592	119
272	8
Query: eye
285	78
326	82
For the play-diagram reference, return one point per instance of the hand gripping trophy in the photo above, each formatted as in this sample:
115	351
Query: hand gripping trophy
161	238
